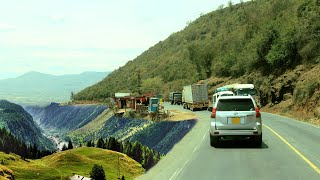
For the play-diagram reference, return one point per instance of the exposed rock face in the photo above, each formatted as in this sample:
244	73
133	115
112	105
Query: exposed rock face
274	89
64	117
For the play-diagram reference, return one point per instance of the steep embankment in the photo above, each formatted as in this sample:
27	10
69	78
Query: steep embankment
258	42
64	164
295	93
64	118
20	124
160	136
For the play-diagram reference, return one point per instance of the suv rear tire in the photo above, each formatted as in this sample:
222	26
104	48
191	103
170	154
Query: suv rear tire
214	141
257	140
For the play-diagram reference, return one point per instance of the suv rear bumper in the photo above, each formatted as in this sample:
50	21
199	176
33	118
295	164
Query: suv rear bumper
235	132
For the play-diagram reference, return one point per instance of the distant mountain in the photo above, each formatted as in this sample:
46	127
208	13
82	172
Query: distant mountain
35	87
20	124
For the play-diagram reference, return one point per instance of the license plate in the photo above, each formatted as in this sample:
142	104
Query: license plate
235	120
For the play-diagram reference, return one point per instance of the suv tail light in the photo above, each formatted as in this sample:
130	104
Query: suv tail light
258	114
213	113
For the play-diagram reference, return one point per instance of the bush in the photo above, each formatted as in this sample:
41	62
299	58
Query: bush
283	53
311	89
97	173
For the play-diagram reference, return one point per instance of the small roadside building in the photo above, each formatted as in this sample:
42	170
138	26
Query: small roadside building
78	177
128	102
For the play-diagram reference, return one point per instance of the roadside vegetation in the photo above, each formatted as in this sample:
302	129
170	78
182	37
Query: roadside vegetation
144	155
10	144
257	42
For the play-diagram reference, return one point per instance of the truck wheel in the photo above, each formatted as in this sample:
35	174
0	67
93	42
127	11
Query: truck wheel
184	106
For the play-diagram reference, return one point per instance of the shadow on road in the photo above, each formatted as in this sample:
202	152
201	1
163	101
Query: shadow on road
240	144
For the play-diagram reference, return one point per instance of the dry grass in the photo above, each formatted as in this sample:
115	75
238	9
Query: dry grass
5	173
288	109
176	115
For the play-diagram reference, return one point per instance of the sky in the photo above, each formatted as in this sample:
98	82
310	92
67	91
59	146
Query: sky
72	36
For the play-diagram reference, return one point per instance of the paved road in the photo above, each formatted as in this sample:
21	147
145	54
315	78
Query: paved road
290	150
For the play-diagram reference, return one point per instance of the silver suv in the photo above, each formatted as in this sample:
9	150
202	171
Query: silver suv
235	116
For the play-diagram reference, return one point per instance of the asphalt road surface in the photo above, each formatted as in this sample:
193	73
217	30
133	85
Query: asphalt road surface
290	150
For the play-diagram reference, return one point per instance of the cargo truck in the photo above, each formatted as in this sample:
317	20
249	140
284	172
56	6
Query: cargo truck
195	96
175	98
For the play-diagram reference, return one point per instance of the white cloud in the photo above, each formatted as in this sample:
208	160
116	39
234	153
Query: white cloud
6	27
57	18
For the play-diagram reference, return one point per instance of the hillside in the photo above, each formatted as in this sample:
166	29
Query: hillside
35	87
79	161
20	124
265	39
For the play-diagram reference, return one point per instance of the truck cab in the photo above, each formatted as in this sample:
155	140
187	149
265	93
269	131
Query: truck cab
175	98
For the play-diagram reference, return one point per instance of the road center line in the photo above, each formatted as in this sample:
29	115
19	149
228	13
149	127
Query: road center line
295	150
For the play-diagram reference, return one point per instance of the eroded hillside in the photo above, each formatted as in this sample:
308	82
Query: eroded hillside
161	136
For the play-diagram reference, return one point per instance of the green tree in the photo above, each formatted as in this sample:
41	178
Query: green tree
72	96
137	152
97	172
89	144
152	85
100	143
70	146
111	144
64	147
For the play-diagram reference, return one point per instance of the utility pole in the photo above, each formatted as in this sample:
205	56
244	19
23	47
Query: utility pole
118	166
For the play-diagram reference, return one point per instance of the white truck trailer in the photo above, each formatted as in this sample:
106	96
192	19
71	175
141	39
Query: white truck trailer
195	96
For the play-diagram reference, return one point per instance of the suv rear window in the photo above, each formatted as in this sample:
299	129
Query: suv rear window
235	105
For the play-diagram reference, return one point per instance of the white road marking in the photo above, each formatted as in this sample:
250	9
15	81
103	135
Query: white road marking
194	150
177	172
204	136
174	174
185	164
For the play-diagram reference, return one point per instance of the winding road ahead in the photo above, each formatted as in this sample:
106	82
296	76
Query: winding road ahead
290	150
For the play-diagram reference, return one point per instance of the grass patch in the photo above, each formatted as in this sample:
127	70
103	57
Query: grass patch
80	161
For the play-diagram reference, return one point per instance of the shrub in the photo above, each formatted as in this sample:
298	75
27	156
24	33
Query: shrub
97	172
311	89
